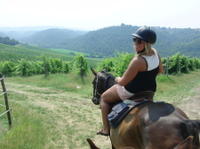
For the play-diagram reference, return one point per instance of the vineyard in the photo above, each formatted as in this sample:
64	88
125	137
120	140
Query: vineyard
25	60
117	65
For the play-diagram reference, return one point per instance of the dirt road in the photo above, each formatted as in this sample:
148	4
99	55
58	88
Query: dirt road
70	118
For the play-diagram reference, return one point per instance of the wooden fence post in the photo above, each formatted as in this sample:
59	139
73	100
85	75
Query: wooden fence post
6	102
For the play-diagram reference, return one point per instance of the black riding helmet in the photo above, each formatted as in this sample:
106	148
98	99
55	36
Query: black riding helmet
146	34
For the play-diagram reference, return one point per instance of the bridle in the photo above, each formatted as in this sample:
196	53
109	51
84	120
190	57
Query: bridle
96	91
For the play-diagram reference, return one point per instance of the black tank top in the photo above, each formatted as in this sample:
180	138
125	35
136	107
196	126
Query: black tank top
144	81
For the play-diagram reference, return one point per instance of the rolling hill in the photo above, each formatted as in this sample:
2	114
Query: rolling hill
18	52
111	40
51	38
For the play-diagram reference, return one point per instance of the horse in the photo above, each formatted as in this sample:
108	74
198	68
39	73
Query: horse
153	125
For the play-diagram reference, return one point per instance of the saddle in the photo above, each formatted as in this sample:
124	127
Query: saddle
120	110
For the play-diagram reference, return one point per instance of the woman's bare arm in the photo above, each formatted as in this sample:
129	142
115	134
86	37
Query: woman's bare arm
161	69
137	64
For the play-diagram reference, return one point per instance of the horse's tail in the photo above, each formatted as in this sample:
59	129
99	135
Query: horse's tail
191	128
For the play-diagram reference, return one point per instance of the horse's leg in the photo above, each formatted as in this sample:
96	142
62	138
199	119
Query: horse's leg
185	144
91	143
93	146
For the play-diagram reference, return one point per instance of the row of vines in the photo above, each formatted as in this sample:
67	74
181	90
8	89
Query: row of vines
180	64
46	66
173	65
117	65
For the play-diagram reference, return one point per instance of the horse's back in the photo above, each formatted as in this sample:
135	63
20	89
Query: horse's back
150	126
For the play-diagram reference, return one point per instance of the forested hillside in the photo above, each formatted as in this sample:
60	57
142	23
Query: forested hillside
104	42
52	38
108	41
8	41
111	40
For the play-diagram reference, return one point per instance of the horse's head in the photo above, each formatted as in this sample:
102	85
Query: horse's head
102	81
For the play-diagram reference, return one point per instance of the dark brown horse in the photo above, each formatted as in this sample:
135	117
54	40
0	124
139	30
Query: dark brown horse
153	125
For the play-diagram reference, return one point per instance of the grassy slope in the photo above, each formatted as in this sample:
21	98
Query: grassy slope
17	52
60	108
28	52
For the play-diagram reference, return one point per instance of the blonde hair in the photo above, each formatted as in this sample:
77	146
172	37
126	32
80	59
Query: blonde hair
148	50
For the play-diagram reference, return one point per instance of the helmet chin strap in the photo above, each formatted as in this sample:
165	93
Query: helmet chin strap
141	51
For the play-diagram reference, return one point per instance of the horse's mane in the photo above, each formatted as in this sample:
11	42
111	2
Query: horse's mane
107	77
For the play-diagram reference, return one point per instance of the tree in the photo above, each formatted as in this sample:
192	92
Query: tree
7	68
24	68
46	66
107	65
66	68
81	65
8	41
56	65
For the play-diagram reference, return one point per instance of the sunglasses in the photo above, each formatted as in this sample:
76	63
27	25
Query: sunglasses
137	40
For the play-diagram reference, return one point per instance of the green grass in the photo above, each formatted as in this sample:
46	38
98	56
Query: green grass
67	82
27	132
175	88
14	53
170	88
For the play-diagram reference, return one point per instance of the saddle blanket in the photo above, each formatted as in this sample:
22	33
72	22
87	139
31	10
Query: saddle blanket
120	110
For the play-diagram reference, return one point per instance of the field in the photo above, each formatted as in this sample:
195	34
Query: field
57	112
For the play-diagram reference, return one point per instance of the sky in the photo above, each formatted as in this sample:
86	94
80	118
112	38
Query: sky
96	14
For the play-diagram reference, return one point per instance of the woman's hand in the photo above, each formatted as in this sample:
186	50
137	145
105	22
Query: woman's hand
117	79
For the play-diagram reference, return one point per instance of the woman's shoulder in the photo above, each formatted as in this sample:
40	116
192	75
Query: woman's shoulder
139	61
138	58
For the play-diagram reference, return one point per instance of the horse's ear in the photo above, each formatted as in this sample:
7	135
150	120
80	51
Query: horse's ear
104	71
93	71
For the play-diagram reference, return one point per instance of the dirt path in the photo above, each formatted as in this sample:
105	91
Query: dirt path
64	113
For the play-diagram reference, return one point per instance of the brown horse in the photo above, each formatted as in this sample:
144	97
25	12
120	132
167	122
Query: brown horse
153	125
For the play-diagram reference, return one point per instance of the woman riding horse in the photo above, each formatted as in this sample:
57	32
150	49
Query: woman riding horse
139	78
